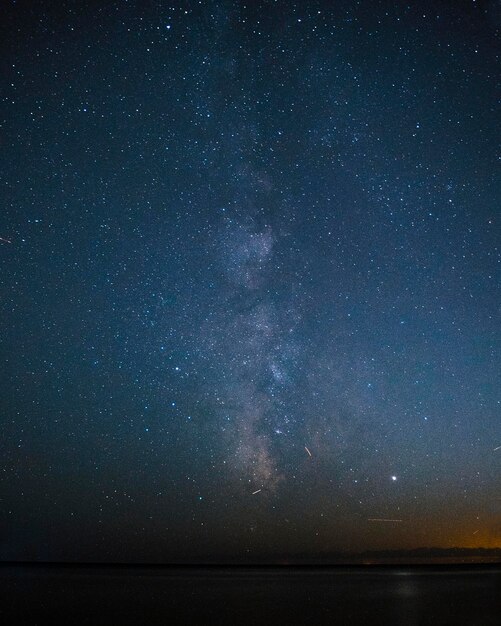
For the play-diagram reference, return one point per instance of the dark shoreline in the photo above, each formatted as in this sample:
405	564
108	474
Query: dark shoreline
418	558
346	566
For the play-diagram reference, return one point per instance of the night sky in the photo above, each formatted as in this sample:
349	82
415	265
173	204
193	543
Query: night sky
249	287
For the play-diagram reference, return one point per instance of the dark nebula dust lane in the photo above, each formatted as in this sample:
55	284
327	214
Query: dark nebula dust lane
249	287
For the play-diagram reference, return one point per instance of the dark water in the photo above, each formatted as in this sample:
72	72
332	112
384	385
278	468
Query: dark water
240	596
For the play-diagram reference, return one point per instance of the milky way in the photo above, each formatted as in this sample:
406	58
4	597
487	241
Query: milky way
250	343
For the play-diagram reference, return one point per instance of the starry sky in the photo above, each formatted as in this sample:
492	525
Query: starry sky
249	287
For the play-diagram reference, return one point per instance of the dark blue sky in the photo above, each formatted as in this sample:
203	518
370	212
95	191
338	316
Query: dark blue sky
249	278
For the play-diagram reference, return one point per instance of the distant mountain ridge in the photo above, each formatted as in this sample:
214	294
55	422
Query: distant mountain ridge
423	555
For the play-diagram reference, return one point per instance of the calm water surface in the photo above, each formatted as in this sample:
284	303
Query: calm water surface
240	596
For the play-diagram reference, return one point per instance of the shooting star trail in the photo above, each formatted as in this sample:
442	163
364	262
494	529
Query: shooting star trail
5	240
380	519
257	491
498	448
308	451
476	531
